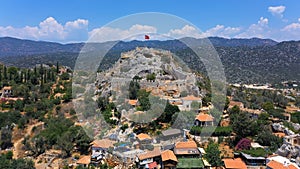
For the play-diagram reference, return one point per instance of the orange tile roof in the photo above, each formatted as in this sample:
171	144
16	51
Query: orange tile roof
143	136
104	143
191	98
234	163
235	103
84	160
187	144
277	165
291	109
204	117
279	134
168	155
132	102
149	154
7	88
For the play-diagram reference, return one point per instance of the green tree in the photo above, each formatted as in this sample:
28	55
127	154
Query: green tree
268	106
9	155
213	154
168	112
297	102
134	87
143	97
38	146
5	138
19	105
242	125
5	73
57	67
65	76
65	142
266	138
151	77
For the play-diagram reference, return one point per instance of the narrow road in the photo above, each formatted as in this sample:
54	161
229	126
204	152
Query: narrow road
18	144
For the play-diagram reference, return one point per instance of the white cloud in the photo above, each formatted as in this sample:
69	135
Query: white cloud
186	31
292	27
290	32
112	34
277	10
73	31
50	30
260	30
190	31
222	31
77	24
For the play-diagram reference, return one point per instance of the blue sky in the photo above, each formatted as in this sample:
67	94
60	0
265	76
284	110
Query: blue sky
74	20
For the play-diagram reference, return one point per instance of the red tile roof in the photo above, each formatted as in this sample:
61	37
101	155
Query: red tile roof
168	155
84	160
235	103
186	144
204	117
143	136
277	165
149	154
7	88
132	102
104	143
234	163
191	98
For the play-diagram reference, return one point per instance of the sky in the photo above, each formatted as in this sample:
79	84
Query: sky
68	21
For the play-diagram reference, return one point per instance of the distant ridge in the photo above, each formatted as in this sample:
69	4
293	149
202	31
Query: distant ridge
245	60
234	42
16	47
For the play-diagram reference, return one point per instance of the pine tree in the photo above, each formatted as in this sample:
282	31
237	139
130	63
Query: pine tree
5	73
28	75
0	75
57	67
35	73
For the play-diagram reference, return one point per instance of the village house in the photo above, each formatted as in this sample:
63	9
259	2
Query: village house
133	103
187	103
235	103
143	138
234	163
169	160
276	161
294	140
100	149
279	162
254	161
204	119
171	134
7	91
287	117
84	161
278	165
186	149
129	156
149	159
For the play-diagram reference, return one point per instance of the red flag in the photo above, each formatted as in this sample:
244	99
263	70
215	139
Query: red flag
147	37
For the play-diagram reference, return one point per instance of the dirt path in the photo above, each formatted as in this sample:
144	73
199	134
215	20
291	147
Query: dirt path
17	150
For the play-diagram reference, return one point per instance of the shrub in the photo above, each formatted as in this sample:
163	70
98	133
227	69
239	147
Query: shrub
243	144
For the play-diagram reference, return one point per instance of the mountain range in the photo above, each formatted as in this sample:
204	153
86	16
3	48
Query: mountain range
245	60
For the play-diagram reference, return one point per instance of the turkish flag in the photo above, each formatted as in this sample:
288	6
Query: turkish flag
147	37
